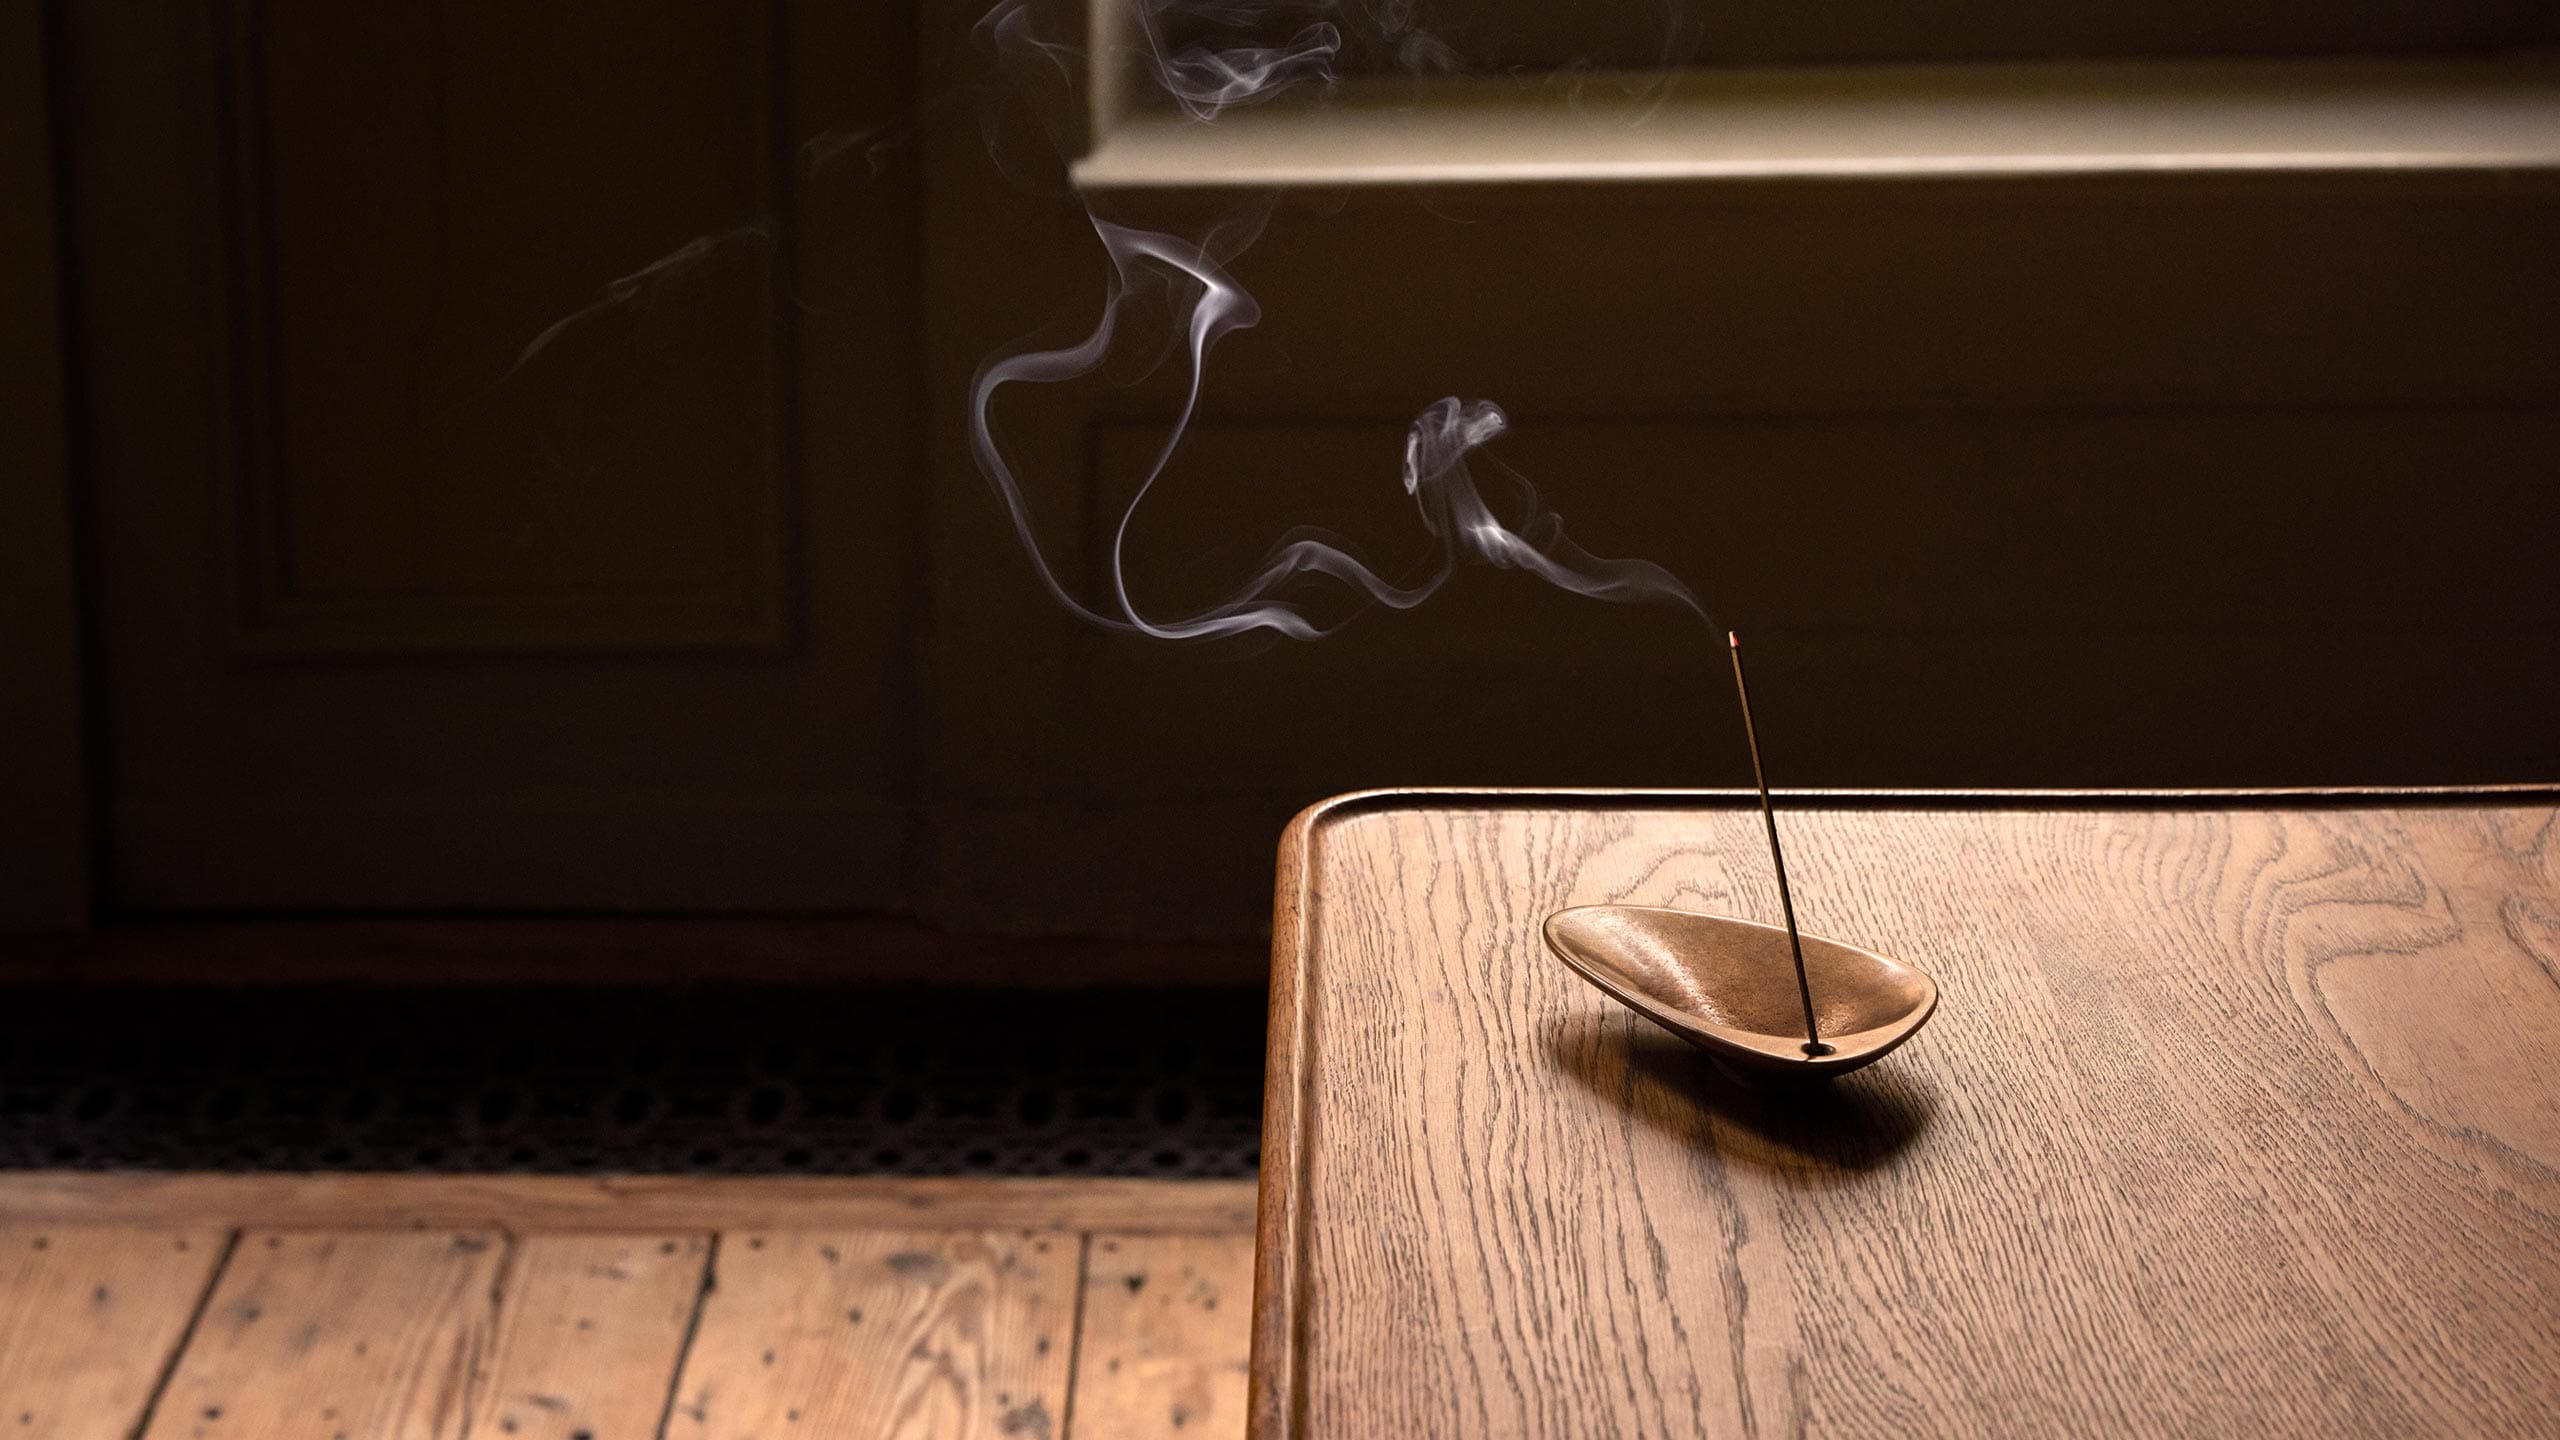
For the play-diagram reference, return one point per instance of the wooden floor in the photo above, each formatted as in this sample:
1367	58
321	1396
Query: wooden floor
350	1308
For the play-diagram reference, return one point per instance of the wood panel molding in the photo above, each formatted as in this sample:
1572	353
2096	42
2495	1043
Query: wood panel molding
347	616
562	469
44	787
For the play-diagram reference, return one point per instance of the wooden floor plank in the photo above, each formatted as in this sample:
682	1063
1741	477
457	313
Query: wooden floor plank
356	1336
588	1336
629	1203
89	1319
882	1335
1165	1332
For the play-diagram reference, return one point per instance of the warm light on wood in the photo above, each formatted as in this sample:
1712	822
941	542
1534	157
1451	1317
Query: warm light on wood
2234	1126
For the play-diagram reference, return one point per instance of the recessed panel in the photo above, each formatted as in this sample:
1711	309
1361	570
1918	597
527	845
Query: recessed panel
506	285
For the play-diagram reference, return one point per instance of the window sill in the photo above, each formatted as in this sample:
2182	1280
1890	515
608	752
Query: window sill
2313	116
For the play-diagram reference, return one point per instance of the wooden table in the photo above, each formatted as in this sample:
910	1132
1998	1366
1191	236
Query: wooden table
2240	1116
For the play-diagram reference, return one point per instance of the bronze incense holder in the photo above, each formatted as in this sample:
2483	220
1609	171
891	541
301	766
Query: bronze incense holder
1729	987
1742	991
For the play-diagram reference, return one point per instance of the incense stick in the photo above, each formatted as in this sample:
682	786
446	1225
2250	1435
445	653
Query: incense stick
1777	859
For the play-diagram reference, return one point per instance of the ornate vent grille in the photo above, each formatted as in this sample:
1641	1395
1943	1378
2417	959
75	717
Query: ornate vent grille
1130	1082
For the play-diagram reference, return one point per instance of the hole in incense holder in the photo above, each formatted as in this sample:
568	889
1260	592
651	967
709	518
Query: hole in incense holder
1728	986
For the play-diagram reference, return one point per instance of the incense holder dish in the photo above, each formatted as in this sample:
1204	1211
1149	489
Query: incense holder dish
1728	986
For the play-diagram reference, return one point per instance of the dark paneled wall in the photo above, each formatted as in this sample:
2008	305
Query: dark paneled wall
523	466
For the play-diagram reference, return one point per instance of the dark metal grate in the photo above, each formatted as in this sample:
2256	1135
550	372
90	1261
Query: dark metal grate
745	1081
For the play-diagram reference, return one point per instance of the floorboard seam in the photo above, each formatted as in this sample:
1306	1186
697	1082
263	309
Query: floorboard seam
186	1335
487	1347
692	1327
1075	1338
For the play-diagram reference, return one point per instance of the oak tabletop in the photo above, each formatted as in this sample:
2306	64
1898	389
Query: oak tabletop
2239	1115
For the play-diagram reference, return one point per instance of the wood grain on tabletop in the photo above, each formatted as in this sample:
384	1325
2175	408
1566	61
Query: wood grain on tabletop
312	1336
88	1320
882	1335
1162	1352
588	1335
2231	1121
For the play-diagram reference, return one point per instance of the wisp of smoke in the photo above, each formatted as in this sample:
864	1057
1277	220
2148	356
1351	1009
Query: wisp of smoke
1191	277
637	286
1451	504
1205	80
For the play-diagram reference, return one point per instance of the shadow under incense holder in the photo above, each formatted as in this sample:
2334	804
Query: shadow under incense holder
1730	987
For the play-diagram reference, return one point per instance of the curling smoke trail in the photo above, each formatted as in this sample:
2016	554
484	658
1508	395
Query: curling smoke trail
1204	81
1190	275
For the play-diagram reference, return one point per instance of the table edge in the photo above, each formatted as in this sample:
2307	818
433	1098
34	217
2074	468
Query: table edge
1276	1408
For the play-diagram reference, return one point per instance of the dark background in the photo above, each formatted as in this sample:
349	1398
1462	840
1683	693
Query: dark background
481	473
